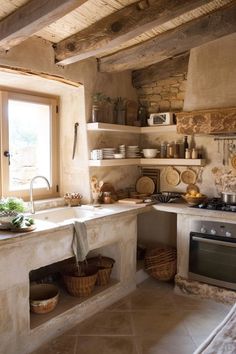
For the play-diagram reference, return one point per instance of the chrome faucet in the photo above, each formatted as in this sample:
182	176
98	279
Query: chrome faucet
31	191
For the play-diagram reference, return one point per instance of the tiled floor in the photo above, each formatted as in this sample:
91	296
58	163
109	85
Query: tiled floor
151	320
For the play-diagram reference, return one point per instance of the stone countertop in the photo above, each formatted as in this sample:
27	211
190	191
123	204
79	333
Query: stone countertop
111	211
43	226
183	208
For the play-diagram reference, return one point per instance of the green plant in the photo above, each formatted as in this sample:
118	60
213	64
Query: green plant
12	204
99	97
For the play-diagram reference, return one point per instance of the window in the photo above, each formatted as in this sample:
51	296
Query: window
28	144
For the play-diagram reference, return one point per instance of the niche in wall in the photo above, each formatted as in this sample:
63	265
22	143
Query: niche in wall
52	274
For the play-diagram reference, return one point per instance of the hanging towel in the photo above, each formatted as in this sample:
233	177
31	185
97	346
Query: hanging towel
80	242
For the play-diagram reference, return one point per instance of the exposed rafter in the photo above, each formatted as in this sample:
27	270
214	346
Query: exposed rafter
32	17
120	27
190	35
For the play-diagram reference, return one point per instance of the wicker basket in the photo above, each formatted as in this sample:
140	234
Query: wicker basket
104	265
160	263
80	283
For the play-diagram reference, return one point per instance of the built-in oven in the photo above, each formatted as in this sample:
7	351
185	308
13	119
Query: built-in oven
212	254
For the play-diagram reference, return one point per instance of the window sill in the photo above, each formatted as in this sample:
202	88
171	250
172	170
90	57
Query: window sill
46	204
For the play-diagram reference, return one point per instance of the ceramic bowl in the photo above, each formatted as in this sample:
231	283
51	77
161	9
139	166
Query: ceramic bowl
150	153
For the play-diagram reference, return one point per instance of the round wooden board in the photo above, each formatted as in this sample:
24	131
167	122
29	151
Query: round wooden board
172	177
233	161
188	176
145	185
23	229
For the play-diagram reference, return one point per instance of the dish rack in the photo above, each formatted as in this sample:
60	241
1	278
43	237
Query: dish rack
154	174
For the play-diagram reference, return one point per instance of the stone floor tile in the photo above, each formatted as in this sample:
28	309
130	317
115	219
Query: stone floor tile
151	320
106	323
106	345
151	324
200	323
150	301
61	345
166	345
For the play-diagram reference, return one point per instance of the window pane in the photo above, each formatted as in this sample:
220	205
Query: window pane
29	143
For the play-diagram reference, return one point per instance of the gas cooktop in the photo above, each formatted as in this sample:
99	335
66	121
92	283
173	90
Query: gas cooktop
216	204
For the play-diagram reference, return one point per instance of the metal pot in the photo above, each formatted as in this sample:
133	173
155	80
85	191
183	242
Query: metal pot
229	198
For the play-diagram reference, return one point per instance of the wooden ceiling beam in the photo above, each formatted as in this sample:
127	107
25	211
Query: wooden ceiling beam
161	71
32	17
120	27
183	38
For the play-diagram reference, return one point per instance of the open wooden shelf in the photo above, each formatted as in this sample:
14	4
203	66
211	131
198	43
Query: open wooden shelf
158	129
130	129
113	128
145	162
173	162
114	162
66	302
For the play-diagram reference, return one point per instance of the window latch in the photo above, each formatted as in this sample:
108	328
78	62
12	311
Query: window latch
7	154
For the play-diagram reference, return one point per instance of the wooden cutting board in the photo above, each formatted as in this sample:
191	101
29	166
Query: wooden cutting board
130	201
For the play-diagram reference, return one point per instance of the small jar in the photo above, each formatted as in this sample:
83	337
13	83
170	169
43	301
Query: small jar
194	154
95	113
177	150
107	198
163	150
187	154
169	151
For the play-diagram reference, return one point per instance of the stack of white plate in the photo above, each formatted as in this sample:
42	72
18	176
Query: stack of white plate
133	152
122	150
108	153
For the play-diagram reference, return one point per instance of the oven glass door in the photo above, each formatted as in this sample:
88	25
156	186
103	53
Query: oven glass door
213	257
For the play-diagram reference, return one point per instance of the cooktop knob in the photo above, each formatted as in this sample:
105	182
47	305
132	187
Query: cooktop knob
203	230
213	231
228	234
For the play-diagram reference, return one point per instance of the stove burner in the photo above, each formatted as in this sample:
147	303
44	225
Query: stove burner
216	204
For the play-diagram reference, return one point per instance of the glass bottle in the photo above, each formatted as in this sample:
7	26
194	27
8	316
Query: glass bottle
185	143
187	154
194	153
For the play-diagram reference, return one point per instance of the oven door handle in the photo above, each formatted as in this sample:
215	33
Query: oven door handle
215	242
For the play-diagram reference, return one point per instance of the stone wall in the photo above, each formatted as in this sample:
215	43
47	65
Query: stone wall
164	95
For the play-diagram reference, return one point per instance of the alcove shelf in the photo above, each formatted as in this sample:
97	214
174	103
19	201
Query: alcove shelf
130	129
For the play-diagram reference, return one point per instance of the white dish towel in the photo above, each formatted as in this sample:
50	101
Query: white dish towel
80	241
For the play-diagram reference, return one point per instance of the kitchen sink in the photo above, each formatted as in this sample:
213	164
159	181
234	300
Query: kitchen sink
66	214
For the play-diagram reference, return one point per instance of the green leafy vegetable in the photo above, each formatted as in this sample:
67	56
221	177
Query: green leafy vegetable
12	204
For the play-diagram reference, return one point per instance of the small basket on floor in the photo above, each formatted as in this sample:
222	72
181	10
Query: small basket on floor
80	282
105	265
161	263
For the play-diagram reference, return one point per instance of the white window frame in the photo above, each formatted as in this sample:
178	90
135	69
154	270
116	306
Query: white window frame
39	193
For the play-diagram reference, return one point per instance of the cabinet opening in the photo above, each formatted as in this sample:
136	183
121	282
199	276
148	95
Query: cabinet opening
53	274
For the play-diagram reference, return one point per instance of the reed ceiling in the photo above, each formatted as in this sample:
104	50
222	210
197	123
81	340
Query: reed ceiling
104	28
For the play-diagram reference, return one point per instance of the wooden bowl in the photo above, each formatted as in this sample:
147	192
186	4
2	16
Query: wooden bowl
193	201
43	298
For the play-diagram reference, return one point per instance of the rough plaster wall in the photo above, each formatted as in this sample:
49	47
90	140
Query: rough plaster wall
37	55
212	75
209	148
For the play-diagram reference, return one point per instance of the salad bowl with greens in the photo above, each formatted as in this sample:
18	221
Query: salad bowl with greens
11	214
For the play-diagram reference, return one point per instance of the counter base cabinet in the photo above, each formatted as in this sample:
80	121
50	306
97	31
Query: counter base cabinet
22	332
